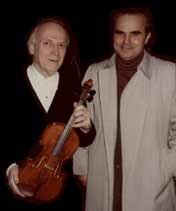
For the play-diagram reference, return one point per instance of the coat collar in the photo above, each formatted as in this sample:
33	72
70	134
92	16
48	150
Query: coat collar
143	66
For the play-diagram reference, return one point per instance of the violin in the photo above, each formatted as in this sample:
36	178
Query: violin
45	175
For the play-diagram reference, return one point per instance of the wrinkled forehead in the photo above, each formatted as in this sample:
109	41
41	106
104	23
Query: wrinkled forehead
51	30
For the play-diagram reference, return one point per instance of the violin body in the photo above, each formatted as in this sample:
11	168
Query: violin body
44	174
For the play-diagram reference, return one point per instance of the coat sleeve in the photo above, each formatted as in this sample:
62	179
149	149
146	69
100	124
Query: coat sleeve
171	153
172	141
80	161
80	158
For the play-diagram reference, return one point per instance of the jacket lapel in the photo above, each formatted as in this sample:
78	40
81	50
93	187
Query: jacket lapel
108	98
134	105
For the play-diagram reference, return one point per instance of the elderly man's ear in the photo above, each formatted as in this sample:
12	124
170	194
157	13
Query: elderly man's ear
31	48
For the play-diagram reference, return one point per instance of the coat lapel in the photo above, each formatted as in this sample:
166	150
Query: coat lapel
108	98
134	105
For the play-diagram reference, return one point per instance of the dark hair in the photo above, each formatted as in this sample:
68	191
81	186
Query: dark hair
145	11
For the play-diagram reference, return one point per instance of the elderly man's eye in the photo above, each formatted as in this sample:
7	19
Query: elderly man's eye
45	42
118	32
62	45
136	33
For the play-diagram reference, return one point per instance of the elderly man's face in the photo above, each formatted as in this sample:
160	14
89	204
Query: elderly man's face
49	48
130	35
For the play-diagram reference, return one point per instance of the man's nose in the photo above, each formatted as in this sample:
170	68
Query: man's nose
55	50
126	39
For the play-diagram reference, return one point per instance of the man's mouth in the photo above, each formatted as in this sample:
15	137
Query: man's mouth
53	60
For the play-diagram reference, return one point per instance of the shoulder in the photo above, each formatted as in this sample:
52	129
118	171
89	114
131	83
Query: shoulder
96	67
164	70
93	71
159	66
163	63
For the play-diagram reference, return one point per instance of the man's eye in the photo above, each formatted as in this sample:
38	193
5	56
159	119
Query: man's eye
46	43
62	45
118	32
136	33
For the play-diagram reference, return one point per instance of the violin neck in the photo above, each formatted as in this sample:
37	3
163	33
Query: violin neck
66	131
60	142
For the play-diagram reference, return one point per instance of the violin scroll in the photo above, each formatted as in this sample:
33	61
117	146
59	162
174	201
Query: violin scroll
88	93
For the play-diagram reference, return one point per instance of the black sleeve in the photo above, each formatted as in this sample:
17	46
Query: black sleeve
86	138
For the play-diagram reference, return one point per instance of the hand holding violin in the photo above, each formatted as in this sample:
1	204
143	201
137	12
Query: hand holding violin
81	118
13	180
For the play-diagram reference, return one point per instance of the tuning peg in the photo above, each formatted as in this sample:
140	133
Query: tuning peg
90	95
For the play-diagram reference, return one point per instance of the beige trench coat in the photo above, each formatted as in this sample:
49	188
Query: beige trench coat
148	134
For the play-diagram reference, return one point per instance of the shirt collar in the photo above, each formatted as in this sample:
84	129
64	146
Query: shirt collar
32	70
144	65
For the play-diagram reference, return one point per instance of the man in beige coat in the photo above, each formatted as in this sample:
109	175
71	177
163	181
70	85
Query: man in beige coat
141	126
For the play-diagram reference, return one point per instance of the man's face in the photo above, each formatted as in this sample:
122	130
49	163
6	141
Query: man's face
130	35
49	48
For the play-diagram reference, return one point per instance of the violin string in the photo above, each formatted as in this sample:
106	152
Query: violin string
63	137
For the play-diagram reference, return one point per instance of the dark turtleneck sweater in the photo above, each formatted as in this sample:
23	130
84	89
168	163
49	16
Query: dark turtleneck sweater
125	70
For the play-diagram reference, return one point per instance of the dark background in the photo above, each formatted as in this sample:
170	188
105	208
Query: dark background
90	22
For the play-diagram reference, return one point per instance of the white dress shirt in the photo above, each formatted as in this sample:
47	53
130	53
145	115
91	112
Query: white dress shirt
44	87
